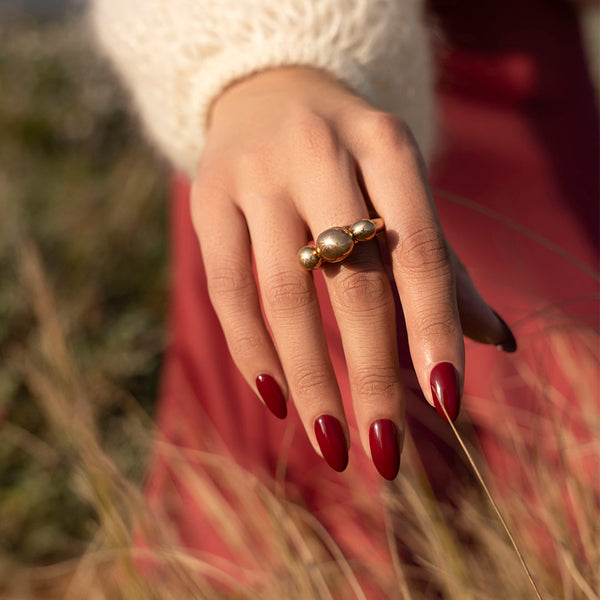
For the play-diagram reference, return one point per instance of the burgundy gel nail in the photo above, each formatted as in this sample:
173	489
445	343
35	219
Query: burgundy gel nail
332	442
272	395
385	448
445	389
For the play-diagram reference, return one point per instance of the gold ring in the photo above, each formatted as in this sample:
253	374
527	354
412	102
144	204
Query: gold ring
336	244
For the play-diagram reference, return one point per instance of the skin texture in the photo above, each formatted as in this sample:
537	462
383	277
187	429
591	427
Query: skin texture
291	152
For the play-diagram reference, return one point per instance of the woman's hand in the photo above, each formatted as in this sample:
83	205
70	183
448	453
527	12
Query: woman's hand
291	152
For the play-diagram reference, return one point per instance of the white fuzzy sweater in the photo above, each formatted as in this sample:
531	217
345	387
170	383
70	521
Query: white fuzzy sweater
176	56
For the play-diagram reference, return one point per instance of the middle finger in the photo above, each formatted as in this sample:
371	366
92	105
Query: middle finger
363	304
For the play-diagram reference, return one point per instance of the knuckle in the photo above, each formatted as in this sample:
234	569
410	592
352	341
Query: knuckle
244	345
228	284
377	382
286	292
423	251
437	327
308	382
211	169
316	137
254	163
387	129
362	291
205	188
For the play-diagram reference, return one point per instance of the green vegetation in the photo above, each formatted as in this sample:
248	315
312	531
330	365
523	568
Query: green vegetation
77	181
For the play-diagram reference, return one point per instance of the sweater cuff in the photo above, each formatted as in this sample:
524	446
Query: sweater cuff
238	63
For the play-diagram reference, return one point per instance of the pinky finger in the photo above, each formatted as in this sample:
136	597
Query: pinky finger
234	296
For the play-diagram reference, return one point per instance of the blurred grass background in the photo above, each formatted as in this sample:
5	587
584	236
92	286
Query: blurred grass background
76	178
83	211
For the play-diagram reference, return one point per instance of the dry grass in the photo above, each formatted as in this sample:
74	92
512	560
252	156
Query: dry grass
74	177
290	555
76	345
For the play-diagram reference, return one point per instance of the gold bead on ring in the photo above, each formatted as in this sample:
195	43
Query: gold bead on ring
337	243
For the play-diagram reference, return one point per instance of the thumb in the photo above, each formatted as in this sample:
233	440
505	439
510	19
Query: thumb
479	320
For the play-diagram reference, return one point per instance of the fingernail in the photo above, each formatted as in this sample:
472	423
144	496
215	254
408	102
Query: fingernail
332	442
445	389
272	395
385	448
509	343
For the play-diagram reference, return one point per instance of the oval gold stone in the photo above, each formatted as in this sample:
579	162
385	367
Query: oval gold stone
363	230
309	258
335	244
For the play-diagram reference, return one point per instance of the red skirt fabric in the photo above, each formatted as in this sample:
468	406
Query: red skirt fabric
516	186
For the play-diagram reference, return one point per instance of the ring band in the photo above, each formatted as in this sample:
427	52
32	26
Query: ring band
336	244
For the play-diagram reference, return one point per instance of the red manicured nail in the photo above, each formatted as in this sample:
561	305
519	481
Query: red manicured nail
445	389
509	343
385	448
272	395
332	442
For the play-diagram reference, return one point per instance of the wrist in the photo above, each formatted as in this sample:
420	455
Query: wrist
276	85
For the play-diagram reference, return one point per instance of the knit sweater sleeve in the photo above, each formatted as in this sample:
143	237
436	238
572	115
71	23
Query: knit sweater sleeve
176	56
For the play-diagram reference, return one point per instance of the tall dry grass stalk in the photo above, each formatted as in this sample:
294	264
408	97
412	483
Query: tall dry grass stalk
284	551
